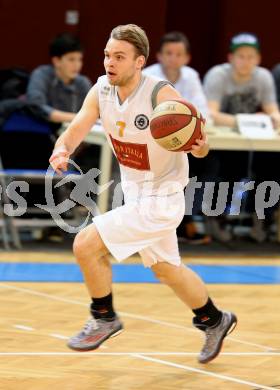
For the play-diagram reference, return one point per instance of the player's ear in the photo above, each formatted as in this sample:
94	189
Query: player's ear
141	62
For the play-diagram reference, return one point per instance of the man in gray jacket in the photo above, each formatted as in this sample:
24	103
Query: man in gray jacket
59	88
236	87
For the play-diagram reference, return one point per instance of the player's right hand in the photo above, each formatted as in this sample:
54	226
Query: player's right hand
59	159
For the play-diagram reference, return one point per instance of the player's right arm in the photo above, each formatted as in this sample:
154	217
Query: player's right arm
71	138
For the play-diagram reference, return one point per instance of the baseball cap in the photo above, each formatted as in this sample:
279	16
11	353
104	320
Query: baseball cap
244	39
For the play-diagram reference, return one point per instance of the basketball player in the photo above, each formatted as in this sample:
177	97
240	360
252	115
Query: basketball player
124	100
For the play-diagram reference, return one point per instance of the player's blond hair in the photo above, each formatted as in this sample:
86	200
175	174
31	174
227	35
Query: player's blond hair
134	35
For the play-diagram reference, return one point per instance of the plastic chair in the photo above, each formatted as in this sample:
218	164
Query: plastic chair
25	146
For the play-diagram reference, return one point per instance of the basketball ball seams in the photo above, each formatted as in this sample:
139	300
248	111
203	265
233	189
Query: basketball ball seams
171	121
196	135
177	139
169	106
176	124
191	107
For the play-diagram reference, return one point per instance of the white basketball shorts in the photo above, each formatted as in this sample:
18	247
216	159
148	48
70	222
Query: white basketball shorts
146	225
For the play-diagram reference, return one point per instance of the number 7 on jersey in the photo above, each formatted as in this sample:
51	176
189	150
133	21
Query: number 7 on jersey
121	125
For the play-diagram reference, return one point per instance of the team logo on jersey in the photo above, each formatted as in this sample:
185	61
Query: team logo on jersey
141	122
105	91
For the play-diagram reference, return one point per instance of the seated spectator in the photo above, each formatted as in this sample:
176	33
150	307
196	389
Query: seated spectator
173	56
276	76
241	86
59	87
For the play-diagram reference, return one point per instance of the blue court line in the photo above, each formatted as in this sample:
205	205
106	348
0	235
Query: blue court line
136	273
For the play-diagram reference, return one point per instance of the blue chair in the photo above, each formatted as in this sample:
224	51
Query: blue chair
26	144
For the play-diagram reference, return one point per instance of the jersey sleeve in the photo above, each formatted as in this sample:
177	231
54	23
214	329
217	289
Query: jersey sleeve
156	90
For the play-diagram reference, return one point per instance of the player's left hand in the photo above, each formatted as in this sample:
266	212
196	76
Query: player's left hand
201	147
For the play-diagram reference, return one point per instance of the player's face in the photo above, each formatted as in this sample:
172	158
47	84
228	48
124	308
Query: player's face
69	65
173	56
244	60
121	62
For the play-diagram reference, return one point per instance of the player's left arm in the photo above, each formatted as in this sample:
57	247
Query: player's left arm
201	147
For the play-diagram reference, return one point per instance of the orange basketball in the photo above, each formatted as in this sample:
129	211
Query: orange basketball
176	124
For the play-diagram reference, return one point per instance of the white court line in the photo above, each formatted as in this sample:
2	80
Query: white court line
23	327
148	319
220	354
87	354
143	357
58	336
40	294
171	325
28	328
203	372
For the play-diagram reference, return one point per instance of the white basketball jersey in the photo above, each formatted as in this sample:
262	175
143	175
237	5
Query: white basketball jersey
146	168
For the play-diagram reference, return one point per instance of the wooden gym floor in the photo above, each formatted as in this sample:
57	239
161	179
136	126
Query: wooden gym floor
157	350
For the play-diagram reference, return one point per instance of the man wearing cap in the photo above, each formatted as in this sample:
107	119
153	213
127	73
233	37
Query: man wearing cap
242	86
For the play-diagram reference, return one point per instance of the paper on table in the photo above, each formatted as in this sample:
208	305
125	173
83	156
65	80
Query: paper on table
255	126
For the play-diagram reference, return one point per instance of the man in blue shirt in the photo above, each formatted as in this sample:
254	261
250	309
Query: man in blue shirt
59	88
